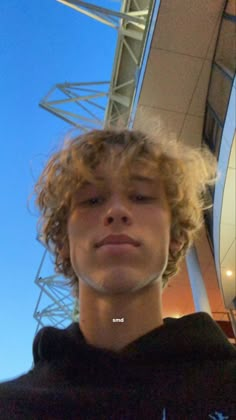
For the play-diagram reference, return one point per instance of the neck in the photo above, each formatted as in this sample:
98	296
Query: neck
113	321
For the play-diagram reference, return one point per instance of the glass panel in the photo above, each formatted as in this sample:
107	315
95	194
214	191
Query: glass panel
218	141
220	88
208	216
212	132
209	124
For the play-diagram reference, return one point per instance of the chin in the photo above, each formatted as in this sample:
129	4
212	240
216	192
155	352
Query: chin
117	285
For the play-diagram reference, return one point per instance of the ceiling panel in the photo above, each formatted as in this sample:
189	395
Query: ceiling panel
198	102
213	40
191	133
187	26
170	80
229	282
227	236
228	208
228	262
232	160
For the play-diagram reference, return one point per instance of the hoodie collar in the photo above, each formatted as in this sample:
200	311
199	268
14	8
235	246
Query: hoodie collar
192	337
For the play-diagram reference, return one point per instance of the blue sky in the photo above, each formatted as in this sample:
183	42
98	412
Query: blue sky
42	43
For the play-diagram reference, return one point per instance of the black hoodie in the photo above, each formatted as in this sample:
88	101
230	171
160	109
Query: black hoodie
185	370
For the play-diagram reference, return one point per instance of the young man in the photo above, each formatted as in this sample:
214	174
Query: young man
120	211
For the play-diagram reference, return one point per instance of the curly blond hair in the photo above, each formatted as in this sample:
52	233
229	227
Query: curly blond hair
185	171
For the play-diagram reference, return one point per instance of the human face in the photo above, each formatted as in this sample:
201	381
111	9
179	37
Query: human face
137	208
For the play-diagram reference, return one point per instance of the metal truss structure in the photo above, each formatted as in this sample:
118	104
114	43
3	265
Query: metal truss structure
80	104
55	303
106	104
111	17
55	306
93	105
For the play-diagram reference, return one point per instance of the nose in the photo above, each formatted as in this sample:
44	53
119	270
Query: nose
117	212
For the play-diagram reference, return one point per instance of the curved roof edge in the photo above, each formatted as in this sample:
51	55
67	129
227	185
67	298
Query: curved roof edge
224	224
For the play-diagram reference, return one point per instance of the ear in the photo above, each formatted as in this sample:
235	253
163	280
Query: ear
176	246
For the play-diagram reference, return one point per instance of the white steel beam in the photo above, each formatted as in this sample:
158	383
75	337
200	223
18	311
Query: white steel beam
128	59
81	104
105	15
132	33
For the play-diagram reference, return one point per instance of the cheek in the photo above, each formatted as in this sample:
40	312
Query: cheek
77	224
160	231
78	228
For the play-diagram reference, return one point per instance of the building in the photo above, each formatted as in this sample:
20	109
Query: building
175	65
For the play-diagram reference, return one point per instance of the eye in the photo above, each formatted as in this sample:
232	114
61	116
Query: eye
92	201
143	198
138	197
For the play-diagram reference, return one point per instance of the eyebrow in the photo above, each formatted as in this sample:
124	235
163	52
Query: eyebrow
133	178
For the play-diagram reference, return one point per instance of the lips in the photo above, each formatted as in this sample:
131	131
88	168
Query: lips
117	239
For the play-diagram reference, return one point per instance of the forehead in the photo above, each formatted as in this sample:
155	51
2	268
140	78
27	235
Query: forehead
104	174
